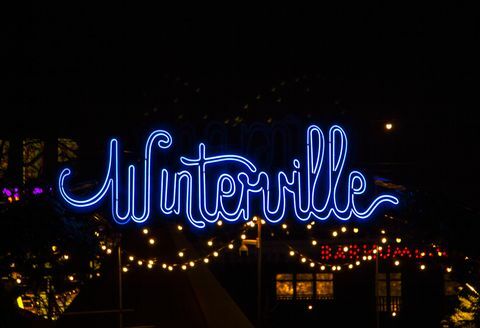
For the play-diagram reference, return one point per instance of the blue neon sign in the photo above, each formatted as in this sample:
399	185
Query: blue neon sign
230	187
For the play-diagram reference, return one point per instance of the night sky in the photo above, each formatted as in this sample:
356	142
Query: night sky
103	67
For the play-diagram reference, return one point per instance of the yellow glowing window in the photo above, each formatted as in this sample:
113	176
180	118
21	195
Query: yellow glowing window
284	286
304	287
324	286
33	160
389	291
67	150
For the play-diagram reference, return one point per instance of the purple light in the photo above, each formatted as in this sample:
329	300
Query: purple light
37	191
7	192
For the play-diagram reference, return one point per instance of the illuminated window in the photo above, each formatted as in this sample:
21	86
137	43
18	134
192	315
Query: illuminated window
450	286
324	286
284	286
33	161
389	292
67	150
304	286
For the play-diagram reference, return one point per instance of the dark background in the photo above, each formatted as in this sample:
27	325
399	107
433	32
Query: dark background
101	68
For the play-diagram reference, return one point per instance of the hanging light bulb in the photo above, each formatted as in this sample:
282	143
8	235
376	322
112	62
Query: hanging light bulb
179	227
131	258
145	231
292	253
125	269
206	260
215	254
210	243
180	254
314	242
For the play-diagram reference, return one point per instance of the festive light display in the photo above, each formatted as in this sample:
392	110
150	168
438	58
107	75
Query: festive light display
221	195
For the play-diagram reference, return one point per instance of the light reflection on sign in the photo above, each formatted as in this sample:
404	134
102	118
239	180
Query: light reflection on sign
210	187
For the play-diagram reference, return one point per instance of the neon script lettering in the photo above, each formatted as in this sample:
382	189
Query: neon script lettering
230	187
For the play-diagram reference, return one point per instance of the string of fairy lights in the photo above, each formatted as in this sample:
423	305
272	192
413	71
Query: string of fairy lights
182	263
345	257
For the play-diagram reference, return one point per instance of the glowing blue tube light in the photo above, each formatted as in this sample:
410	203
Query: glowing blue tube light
230	187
